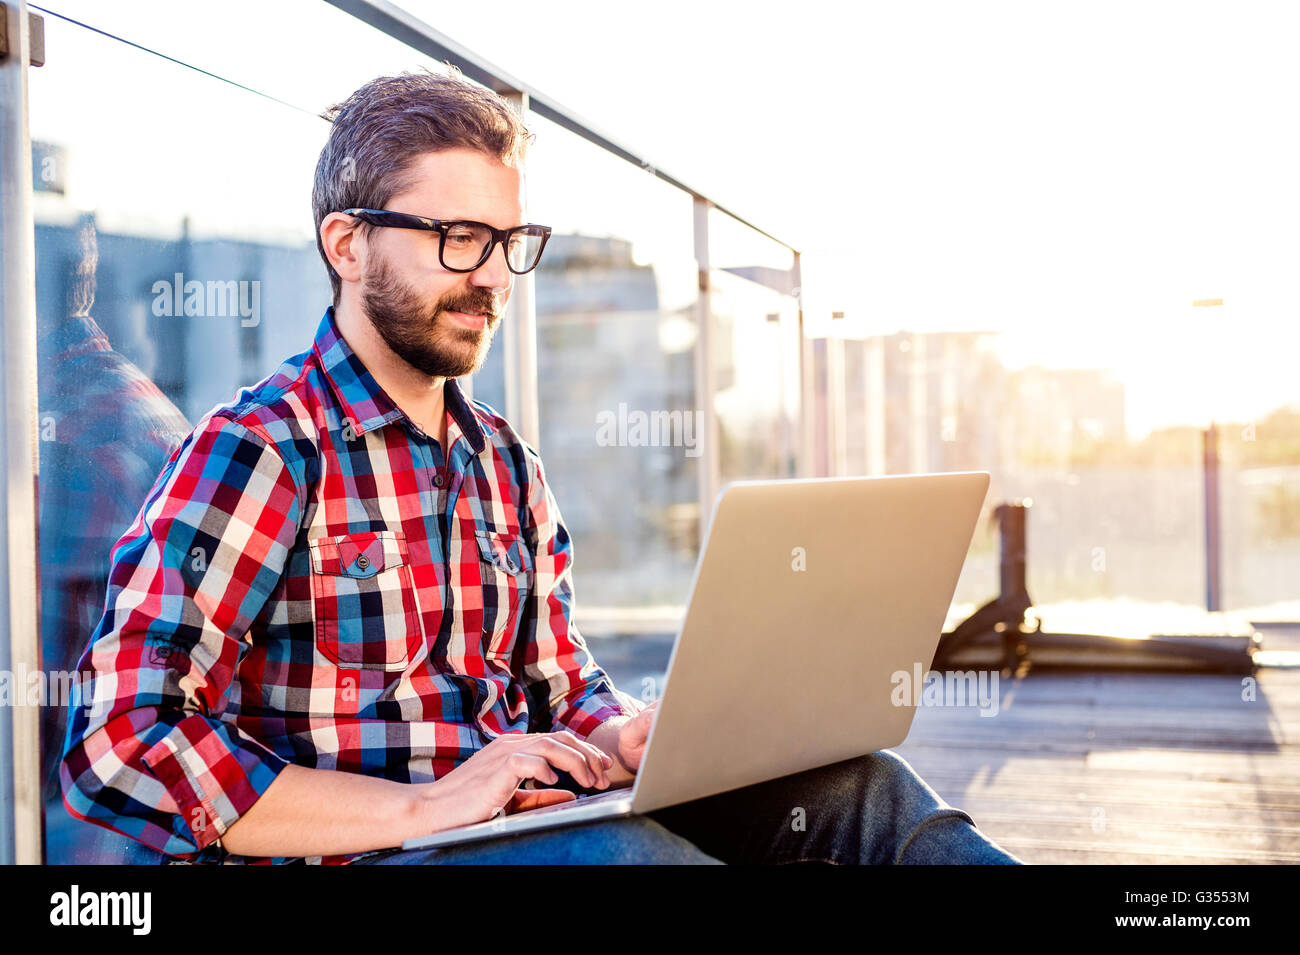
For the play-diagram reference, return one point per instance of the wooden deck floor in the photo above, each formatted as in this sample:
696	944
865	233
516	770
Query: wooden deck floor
1095	768
1108	767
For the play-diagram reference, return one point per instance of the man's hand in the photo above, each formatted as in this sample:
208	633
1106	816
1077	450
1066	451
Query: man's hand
308	812
632	736
488	782
624	737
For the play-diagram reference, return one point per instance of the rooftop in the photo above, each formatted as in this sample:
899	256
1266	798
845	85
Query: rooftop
1105	767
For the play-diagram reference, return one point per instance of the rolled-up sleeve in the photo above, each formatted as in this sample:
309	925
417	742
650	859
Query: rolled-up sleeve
147	752
565	686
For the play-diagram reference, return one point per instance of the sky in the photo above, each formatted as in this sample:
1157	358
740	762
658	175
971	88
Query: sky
1070	175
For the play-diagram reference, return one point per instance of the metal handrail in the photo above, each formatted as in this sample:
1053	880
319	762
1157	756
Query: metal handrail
21	830
20	800
402	26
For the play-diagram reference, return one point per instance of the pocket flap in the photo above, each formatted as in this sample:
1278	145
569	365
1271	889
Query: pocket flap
358	555
502	550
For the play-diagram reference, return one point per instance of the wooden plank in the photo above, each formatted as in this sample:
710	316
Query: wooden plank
1069	852
1240	794
1124	768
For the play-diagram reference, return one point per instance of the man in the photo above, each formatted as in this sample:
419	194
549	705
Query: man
343	616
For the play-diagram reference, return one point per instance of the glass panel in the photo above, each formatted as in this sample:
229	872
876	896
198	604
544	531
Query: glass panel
1113	515
856	407
1259	483
1100	524
820	373
756	357
616	298
149	177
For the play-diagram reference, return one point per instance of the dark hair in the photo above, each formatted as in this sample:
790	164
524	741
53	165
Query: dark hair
381	130
81	281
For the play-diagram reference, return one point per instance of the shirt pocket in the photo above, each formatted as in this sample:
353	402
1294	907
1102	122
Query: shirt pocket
363	601
504	570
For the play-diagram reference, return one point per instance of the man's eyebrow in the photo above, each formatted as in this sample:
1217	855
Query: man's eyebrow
464	218
470	219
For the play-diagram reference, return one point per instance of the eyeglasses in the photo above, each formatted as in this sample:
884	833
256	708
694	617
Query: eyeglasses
464	246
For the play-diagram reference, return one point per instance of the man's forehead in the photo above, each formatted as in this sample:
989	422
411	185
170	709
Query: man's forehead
464	184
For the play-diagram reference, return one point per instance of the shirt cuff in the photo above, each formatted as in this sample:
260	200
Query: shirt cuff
213	772
601	704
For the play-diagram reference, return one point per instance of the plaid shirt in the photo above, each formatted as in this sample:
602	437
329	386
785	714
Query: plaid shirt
311	581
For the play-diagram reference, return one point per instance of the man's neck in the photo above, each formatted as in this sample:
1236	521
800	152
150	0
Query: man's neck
418	395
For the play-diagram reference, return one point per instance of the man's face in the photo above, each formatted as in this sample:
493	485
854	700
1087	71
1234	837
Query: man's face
437	321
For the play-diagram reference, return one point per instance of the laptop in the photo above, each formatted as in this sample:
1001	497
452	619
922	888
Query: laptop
809	597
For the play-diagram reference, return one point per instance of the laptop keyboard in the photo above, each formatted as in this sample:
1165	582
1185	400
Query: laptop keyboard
584	799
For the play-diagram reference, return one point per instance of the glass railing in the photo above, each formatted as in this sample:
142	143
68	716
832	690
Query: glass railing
176	263
756	355
616	330
1117	522
1259	487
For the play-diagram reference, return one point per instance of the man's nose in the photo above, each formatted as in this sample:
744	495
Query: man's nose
494	273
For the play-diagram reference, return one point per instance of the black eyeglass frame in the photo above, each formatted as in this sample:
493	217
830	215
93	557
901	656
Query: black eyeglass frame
405	220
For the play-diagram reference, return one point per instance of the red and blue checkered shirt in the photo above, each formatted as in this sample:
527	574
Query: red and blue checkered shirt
311	581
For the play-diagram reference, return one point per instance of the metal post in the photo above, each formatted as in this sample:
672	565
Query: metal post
918	439
20	775
1013	557
1213	555
787	453
818	363
519	336
1210	467
807	412
877	461
836	407
705	383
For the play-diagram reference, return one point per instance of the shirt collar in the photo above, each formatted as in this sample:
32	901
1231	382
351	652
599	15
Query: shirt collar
368	405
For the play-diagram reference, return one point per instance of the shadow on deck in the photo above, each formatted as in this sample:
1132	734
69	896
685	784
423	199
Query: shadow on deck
1103	767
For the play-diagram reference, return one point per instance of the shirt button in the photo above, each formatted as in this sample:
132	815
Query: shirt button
363	561
437	480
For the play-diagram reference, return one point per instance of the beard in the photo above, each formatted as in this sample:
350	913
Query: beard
416	331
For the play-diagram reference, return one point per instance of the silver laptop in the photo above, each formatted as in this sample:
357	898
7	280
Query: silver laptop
809	596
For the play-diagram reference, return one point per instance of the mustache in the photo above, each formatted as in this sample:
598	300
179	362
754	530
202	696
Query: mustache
470	306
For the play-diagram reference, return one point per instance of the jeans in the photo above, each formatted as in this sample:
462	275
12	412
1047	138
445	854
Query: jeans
873	810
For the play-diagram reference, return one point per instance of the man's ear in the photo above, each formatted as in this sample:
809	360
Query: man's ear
344	246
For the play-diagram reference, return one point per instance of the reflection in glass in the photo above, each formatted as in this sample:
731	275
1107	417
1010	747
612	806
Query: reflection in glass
175	263
106	431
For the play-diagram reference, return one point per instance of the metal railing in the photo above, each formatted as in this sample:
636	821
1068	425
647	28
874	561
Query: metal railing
520	332
21	830
20	804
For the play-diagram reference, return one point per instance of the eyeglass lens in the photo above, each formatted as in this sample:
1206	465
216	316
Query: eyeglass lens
466	243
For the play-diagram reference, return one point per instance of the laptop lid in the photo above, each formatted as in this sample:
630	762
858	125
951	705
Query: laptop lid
809	596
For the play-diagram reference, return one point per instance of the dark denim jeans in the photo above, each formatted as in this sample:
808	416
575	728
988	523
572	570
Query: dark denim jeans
871	810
